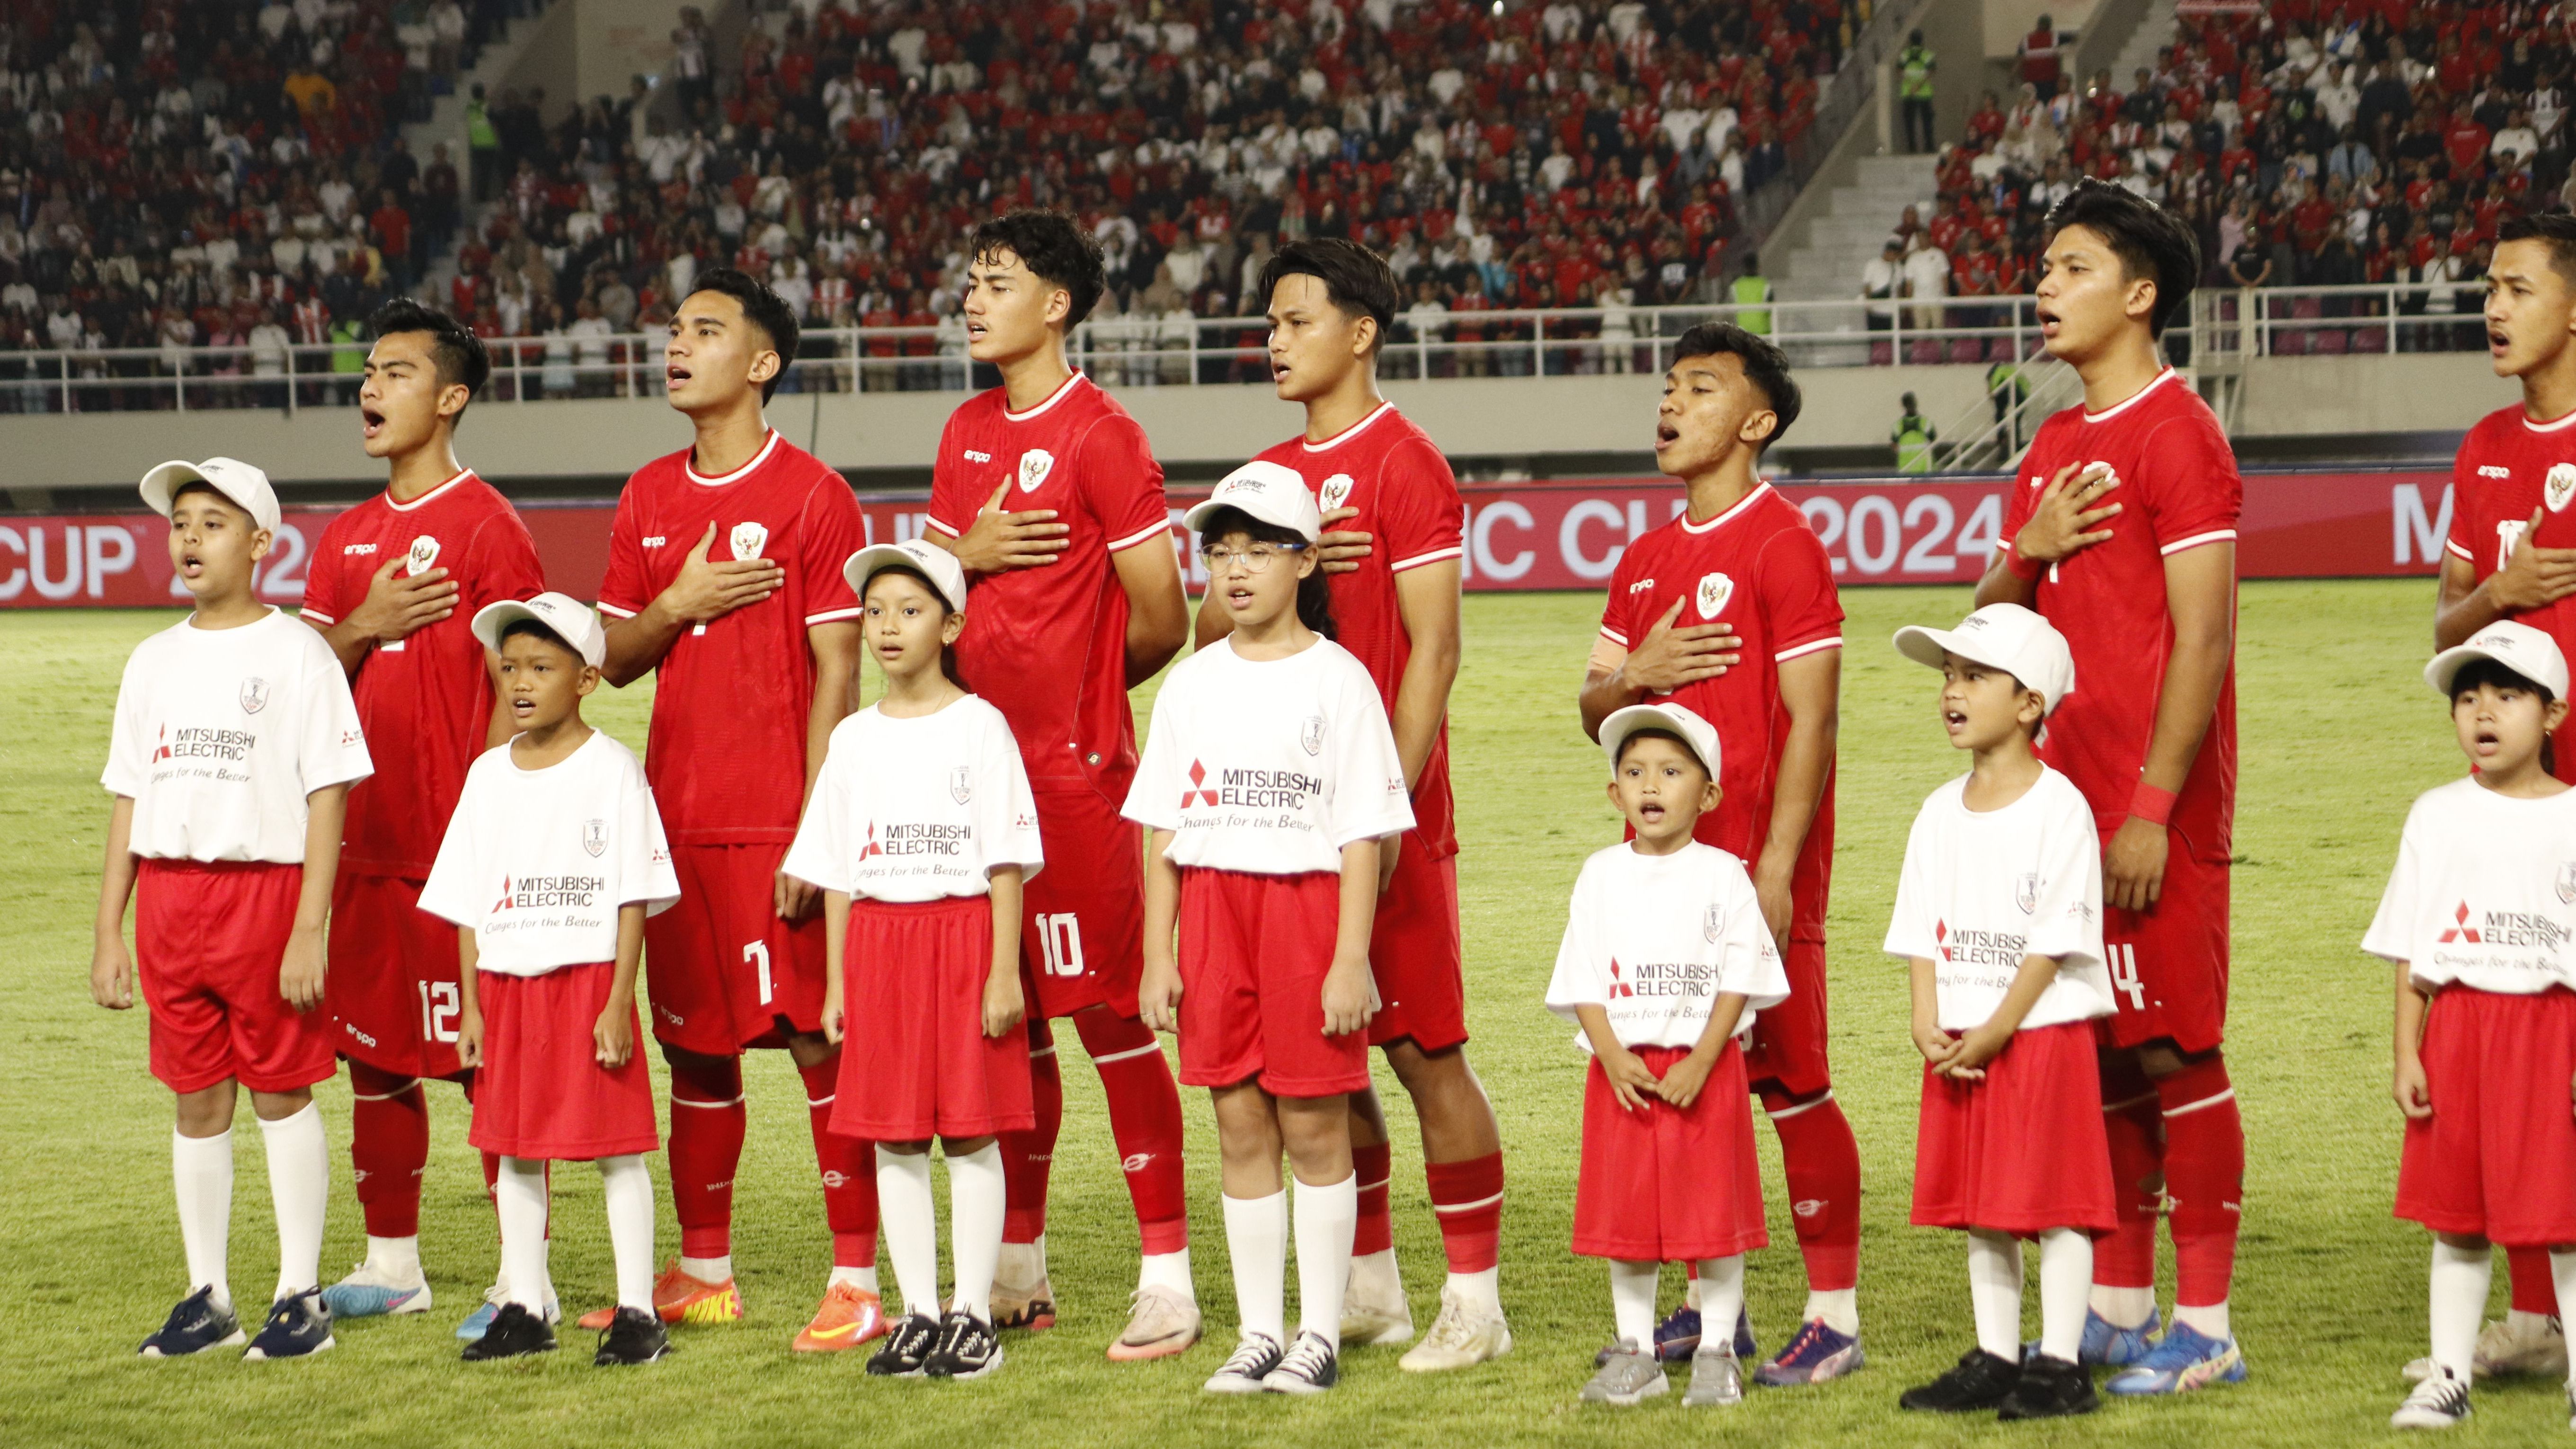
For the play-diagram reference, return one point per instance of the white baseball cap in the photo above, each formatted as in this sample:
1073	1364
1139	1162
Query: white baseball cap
2004	636
231	477
575	622
928	559
1697	733
1271	492
2521	648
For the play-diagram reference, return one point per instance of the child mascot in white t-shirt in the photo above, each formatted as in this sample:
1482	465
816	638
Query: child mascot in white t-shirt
2477	917
553	859
1274	794
1999	915
921	832
1666	958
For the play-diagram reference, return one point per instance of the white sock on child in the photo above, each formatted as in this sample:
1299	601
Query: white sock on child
299	1187
1632	1302
629	1190
2460	1280
1721	1299
975	1211
201	1168
2065	1285
1256	1241
1994	1292
1327	1216
520	1192
908	1224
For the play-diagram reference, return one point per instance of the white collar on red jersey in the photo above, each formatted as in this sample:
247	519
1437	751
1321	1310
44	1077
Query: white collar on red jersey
1063	390
691	468
2117	408
2553	425
400	507
1741	504
1346	434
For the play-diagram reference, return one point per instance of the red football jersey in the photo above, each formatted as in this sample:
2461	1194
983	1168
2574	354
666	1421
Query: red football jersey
726	751
1048	645
1759	567
425	701
2178	490
1408	501
2509	468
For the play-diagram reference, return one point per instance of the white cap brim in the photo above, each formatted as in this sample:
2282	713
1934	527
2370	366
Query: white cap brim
492	620
250	493
2546	667
1695	732
1271	492
926	559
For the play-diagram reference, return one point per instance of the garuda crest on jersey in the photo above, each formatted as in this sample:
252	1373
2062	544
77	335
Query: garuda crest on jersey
424	555
1336	491
749	538
1035	465
2559	486
1715	590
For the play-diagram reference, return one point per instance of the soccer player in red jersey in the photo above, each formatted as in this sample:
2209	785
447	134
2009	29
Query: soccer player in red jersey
2121	530
393	586
1730	611
724	581
1394	579
2511	487
1048	494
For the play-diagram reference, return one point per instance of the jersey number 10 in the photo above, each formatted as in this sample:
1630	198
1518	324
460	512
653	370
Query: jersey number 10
1060	938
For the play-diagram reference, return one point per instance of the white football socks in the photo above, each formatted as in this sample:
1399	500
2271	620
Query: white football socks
2065	1285
2210	1319
628	1187
201	1168
708	1270
1632	1302
1838	1307
2460	1281
908	1226
2562	1267
299	1187
863	1279
1994	1292
396	1258
520	1193
1256	1242
1721	1296
975	1210
1168	1270
2124	1307
1327	1216
1482	1289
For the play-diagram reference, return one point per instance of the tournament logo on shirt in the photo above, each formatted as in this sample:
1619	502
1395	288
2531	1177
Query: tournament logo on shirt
749	538
1335	492
2026	892
960	788
1311	734
2559	486
1714	923
424	553
1715	590
594	836
1035	465
2566	883
254	695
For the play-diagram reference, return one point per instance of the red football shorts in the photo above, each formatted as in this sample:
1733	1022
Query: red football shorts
915	1062
1415	955
2497	1159
392	990
541	1092
1669	1182
1254	952
1082	928
723	971
208	940
2022	1151
1789	1040
2169	965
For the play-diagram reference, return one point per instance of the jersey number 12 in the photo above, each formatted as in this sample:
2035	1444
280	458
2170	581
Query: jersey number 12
439	1008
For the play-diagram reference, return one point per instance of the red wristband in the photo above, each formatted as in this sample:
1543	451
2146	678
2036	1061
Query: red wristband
2025	569
2150	804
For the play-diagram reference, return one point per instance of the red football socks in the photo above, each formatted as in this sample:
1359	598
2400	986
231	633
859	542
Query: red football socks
389	1148
2204	1178
2132	1117
707	1125
1822	1161
1028	1156
1372	1167
849	1168
1467	1198
1144	1119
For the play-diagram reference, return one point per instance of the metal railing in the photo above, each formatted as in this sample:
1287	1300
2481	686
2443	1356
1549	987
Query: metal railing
1207	352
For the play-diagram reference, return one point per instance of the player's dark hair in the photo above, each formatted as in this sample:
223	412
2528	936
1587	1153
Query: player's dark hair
542	632
1660	734
1314	595
1765	366
2150	241
1356	280
2503	676
2553	229
764	308
1054	249
947	652
453	348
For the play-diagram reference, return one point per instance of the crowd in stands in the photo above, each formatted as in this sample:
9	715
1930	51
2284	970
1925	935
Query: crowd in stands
2312	145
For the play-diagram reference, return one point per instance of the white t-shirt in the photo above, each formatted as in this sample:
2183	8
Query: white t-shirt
1272	766
1984	888
539	862
220	734
918	809
2484	893
1654	939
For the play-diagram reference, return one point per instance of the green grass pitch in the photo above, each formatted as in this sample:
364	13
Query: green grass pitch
2339	734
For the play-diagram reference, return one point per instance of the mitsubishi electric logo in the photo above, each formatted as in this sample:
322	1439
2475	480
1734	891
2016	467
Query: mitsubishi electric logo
1197	793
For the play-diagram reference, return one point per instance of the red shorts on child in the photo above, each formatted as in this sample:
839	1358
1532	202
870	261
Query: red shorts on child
1669	1182
915	1062
541	1092
724	973
2023	1150
209	937
2497	1159
392	990
1254	953
1414	953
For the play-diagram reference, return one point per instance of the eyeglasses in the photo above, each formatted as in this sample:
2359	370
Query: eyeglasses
1255	559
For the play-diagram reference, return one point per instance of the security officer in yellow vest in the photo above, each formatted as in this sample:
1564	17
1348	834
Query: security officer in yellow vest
1753	291
1914	66
1913	436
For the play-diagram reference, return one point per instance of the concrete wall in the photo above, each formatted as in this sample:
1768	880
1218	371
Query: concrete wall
2007	21
588	48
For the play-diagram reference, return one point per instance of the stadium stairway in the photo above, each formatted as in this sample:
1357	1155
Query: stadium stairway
446	124
1827	266
2156	30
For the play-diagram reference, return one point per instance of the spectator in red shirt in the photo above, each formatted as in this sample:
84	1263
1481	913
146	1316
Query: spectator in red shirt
2039	58
2464	141
392	226
1986	123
